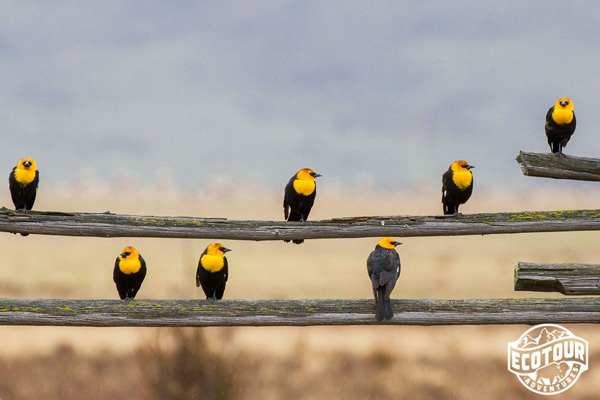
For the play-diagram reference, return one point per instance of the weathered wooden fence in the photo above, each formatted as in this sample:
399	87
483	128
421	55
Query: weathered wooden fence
115	225
569	279
548	165
295	312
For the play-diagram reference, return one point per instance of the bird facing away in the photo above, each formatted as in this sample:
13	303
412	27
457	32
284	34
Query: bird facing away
560	124
457	186
129	273
23	182
383	266
213	271
299	197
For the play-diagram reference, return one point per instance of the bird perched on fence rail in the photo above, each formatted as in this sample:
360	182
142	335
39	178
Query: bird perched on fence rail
23	182
299	197
383	266
457	186
560	124
129	273
213	271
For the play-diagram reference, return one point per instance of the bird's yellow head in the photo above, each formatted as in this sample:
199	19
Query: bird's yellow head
27	163
563	111
388	243
217	249
25	171
307	174
461	165
129	253
564	103
129	260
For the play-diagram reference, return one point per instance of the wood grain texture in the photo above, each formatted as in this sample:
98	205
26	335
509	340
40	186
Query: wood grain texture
116	225
549	165
162	313
569	279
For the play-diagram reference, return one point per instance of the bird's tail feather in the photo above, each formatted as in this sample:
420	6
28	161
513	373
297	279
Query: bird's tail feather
389	313
384	307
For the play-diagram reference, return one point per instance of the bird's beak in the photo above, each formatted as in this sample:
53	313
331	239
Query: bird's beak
124	254
563	103
317	175
397	243
225	250
27	164
470	166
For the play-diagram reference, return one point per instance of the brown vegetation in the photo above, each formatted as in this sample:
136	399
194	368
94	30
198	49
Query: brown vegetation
272	363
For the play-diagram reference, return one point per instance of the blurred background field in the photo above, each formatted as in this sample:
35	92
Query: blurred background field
311	362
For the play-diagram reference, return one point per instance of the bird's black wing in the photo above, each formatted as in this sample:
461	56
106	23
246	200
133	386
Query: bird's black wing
33	187
396	266
199	268
446	185
571	130
550	129
115	271
549	116
143	270
390	264
13	186
371	264
377	266
287	193
446	180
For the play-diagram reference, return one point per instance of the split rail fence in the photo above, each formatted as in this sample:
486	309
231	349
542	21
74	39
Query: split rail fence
568	279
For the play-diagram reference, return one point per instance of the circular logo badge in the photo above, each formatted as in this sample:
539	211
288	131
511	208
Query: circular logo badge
548	358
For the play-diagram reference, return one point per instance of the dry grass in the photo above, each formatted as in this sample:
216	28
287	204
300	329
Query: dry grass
284	362
201	364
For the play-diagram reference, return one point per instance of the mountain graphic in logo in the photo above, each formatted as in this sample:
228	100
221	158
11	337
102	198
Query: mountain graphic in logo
544	337
548	359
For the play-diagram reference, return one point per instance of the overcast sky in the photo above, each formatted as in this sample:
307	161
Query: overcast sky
383	92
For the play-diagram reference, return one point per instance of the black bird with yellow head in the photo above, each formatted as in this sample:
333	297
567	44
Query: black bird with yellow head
23	183
383	266
213	271
129	272
560	124
457	186
299	197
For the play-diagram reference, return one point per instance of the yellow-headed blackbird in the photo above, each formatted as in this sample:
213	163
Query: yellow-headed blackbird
383	266
129	273
213	271
299	196
560	124
23	182
457	186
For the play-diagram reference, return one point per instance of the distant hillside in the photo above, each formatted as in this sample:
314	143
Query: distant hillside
387	93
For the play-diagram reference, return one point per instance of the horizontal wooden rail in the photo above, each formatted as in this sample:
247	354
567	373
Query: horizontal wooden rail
570	279
161	313
115	225
549	165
